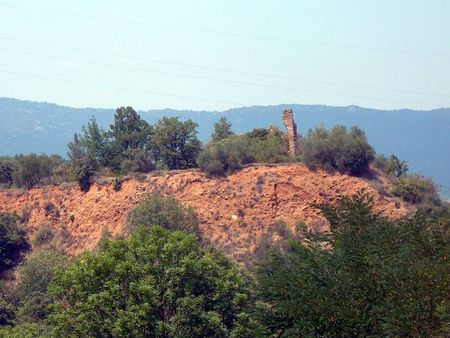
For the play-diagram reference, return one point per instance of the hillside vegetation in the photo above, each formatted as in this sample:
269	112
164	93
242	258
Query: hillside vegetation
146	232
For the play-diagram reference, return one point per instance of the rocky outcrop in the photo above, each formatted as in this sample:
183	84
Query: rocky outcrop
291	127
234	211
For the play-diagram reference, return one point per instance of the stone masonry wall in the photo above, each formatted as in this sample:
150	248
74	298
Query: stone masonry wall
291	127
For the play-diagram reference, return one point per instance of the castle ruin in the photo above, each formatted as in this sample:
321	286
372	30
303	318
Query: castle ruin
291	127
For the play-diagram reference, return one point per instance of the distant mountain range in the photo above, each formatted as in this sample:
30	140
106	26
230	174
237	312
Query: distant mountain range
422	138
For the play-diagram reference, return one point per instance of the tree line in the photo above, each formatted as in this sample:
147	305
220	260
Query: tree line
131	145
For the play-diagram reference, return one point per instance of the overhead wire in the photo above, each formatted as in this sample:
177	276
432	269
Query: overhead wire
94	84
221	69
225	33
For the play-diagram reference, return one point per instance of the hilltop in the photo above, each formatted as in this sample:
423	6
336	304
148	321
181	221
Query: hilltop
47	128
234	211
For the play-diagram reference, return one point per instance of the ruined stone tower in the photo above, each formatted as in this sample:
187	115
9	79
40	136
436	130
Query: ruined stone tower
291	127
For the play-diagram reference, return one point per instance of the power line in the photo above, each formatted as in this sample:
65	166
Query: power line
225	33
93	84
215	79
221	69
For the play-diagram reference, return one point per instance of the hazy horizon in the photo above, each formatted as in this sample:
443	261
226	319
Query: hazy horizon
383	55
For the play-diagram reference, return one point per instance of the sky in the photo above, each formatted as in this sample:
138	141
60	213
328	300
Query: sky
215	55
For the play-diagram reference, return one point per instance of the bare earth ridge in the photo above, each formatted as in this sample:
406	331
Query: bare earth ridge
234	211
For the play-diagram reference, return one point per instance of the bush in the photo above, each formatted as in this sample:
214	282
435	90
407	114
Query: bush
416	189
164	211
268	145
158	283
26	330
337	149
43	236
225	156
12	240
34	277
30	170
137	161
7	313
117	184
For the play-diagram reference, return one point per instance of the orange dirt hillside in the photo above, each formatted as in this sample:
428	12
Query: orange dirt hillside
234	211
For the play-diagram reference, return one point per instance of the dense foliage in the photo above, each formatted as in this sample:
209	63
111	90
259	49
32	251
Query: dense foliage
12	240
164	211
30	294
416	189
370	277
226	155
26	171
174	144
157	284
337	149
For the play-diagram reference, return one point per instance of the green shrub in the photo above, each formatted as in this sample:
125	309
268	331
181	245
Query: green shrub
164	211
7	313
268	145
30	170
34	277
416	189
26	330
136	161
43	236
12	240
225	156
337	149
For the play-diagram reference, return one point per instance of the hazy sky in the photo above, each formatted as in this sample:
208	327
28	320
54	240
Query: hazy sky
207	54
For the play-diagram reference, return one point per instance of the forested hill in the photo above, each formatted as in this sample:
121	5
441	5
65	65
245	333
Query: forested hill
422	138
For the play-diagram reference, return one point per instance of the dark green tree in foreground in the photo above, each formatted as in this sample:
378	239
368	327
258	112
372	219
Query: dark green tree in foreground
156	284
370	277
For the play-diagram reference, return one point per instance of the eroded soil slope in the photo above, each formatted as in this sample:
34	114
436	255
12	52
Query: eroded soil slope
234	211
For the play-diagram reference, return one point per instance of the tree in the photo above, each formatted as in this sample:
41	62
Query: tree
156	284
6	172
85	169
95	141
174	143
222	130
369	277
164	211
129	129
12	240
396	167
